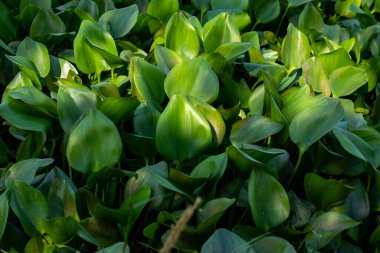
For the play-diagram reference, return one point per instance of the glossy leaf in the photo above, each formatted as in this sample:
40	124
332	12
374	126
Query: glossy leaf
37	53
295	48
310	18
229	4
218	31
193	78
182	131
61	229
72	103
325	226
357	205
166	59
46	22
119	247
296	3
98	232
29	205
315	75
346	80
269	208
145	120
253	129
120	21
119	108
147	82
88	60
313	123
162	9
94	143
230	51
181	36
334	192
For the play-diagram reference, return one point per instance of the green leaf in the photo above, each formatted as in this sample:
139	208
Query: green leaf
230	51
355	145
38	101
25	170
94	143
268	200
346	80
295	48
46	22
311	18
145	120
193	78
147	82
87	10
166	59
119	108
61	230
29	205
4	210
72	103
119	22
18	115
224	241
87	59
271	244
181	36
212	115
357	204
314	122
266	11
37	53
218	31
162	9
210	213
182	131
343	8
333	191
334	60
325	226
315	75
253	129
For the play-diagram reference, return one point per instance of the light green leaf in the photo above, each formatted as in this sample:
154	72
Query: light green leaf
90	35
315	75
346	80
119	108
147	82
61	229
296	3
166	59
310	18
295	48
218	31
37	53
162	9
181	36
334	60
145	120
269	208
87	10
94	143
193	78
314	122
230	51
120	21
182	131
253	129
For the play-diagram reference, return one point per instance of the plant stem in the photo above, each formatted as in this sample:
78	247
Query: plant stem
300	155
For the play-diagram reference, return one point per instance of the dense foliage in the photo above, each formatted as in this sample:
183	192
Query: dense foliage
118	115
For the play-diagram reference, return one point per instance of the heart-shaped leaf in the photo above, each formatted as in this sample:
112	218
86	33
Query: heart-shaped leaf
269	208
346	80
162	9
182	131
181	36
265	11
295	48
225	241
94	143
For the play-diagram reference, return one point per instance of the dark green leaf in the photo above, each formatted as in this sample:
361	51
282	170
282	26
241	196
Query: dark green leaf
119	22
4	210
271	244
266	11
224	241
